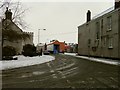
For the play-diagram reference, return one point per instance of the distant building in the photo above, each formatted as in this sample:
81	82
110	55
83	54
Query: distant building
100	37
40	46
8	24
56	47
71	48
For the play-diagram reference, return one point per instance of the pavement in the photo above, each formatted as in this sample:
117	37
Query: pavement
101	60
23	61
64	72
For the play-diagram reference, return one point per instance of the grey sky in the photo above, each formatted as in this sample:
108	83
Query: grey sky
60	19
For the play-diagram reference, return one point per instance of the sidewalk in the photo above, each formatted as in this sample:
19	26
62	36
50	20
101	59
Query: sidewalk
101	60
25	61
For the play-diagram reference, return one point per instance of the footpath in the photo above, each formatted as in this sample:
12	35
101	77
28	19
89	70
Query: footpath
101	60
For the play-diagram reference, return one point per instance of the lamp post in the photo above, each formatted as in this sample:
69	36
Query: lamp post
39	34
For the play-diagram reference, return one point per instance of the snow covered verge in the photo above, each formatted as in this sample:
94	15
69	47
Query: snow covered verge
102	60
25	61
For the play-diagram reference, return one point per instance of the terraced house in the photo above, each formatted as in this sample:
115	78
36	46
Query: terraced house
8	24
100	37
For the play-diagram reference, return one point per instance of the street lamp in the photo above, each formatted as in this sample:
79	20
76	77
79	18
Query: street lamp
39	34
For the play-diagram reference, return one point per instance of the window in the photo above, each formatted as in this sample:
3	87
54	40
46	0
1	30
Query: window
109	23
102	27
89	42
102	23
97	30
104	42
110	42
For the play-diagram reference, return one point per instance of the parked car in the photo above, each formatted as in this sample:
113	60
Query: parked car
46	52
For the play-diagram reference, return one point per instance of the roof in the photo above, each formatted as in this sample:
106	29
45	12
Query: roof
40	44
104	12
56	42
101	15
12	23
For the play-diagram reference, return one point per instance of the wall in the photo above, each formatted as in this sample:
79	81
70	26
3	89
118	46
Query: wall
28	40
0	39
119	34
88	44
18	44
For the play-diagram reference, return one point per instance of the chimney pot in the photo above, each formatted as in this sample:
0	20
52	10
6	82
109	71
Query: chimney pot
117	4
88	16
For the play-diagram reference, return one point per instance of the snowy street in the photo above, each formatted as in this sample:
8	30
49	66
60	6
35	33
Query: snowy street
28	61
24	61
64	72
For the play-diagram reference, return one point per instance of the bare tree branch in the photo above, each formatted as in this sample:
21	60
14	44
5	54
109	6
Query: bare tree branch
16	10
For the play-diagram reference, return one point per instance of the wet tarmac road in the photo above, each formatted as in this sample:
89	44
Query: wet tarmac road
64	72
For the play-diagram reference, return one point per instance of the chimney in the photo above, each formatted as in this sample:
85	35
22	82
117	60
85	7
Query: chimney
88	16
8	14
117	4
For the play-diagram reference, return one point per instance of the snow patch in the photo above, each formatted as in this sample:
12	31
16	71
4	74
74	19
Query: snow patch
25	61
102	60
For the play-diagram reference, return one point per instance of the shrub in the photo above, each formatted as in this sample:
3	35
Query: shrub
8	51
29	50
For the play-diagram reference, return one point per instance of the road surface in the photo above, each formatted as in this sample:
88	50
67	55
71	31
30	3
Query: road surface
63	72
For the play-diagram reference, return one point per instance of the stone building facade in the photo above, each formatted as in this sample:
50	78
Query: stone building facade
17	44
100	37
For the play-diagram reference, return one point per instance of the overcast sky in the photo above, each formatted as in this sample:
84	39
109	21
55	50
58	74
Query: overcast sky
60	19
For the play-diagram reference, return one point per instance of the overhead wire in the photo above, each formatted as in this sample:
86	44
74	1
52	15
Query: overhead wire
60	33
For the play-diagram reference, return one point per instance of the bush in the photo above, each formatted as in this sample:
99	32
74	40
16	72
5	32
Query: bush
29	50
8	51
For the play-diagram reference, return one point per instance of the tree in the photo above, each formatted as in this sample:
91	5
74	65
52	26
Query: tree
29	50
